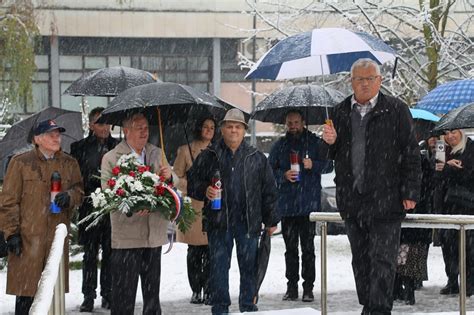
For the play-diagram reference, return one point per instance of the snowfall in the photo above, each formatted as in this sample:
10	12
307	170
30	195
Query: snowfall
342	298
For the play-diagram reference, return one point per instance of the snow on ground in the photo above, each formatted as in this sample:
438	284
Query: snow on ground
342	298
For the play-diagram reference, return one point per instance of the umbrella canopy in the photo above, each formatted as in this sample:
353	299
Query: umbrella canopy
178	103
109	81
263	256
19	136
448	96
312	100
318	52
459	118
421	114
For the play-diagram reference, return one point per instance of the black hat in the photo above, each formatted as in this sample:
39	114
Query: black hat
47	126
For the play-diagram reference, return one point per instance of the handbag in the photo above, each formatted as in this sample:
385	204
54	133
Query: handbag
461	196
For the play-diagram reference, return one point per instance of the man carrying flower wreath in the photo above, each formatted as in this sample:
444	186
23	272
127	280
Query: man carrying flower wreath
136	238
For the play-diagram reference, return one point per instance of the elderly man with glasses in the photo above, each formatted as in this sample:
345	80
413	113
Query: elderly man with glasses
378	172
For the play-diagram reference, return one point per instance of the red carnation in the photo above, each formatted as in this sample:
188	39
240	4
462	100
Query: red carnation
132	173
162	179
111	183
159	190
120	192
147	167
142	169
116	170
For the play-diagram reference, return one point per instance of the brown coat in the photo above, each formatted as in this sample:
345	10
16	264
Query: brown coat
24	209
182	163
147	231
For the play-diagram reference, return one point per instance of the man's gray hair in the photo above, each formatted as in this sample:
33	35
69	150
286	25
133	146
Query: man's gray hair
128	121
365	63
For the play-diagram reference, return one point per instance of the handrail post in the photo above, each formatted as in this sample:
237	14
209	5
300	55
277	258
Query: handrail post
462	269
324	268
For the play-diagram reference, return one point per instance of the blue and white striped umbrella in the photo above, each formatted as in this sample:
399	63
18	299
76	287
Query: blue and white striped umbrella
318	52
448	96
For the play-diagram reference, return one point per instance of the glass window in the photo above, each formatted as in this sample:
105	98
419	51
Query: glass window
198	77
41	76
203	87
152	63
40	97
70	62
198	63
175	63
119	61
41	62
69	76
93	63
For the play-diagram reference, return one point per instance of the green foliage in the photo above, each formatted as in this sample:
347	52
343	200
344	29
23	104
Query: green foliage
18	32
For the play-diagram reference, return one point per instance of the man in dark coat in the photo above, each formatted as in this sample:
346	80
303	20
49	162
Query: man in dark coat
378	173
248	201
89	152
299	195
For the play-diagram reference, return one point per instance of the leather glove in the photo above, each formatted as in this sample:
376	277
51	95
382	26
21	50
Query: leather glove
14	244
62	200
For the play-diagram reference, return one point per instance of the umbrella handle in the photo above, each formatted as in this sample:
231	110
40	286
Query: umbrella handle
163	154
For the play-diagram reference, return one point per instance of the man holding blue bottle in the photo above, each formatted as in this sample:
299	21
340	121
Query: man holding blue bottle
248	195
26	213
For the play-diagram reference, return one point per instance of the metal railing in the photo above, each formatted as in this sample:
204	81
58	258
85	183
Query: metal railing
457	222
49	298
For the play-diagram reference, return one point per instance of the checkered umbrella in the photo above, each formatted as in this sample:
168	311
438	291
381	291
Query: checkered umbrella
318	52
448	96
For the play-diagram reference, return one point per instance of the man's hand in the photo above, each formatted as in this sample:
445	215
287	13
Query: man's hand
62	200
211	192
271	230
329	134
409	204
14	244
439	166
165	171
307	164
291	176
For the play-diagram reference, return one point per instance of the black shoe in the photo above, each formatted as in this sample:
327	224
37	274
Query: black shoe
308	296
105	303
196	298
87	305
365	311
450	288
206	299
291	295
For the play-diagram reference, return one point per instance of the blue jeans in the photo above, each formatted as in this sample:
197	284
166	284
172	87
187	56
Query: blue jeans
221	244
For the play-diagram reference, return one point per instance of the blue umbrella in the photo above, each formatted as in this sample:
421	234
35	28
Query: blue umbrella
448	96
318	52
423	115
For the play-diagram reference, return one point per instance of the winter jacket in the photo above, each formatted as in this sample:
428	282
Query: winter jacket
302	197
88	153
392	161
259	188
182	163
24	209
452	176
137	231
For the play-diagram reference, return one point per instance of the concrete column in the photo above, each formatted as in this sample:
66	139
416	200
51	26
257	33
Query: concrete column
216	66
54	73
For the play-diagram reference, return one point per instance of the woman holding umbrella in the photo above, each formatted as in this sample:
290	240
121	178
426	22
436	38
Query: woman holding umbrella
198	249
457	176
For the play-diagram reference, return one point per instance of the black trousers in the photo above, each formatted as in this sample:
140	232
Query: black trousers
129	264
374	247
450	248
300	229
198	268
101	239
23	305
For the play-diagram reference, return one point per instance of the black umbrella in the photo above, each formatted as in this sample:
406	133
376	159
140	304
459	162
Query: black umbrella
315	102
458	118
19	136
109	81
263	255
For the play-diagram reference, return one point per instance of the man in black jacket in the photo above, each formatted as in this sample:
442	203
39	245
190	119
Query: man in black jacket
248	200
378	172
89	152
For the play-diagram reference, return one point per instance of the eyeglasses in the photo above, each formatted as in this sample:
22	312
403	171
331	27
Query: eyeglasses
369	80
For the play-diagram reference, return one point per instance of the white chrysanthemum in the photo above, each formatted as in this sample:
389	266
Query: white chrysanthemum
136	186
187	199
98	199
153	176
